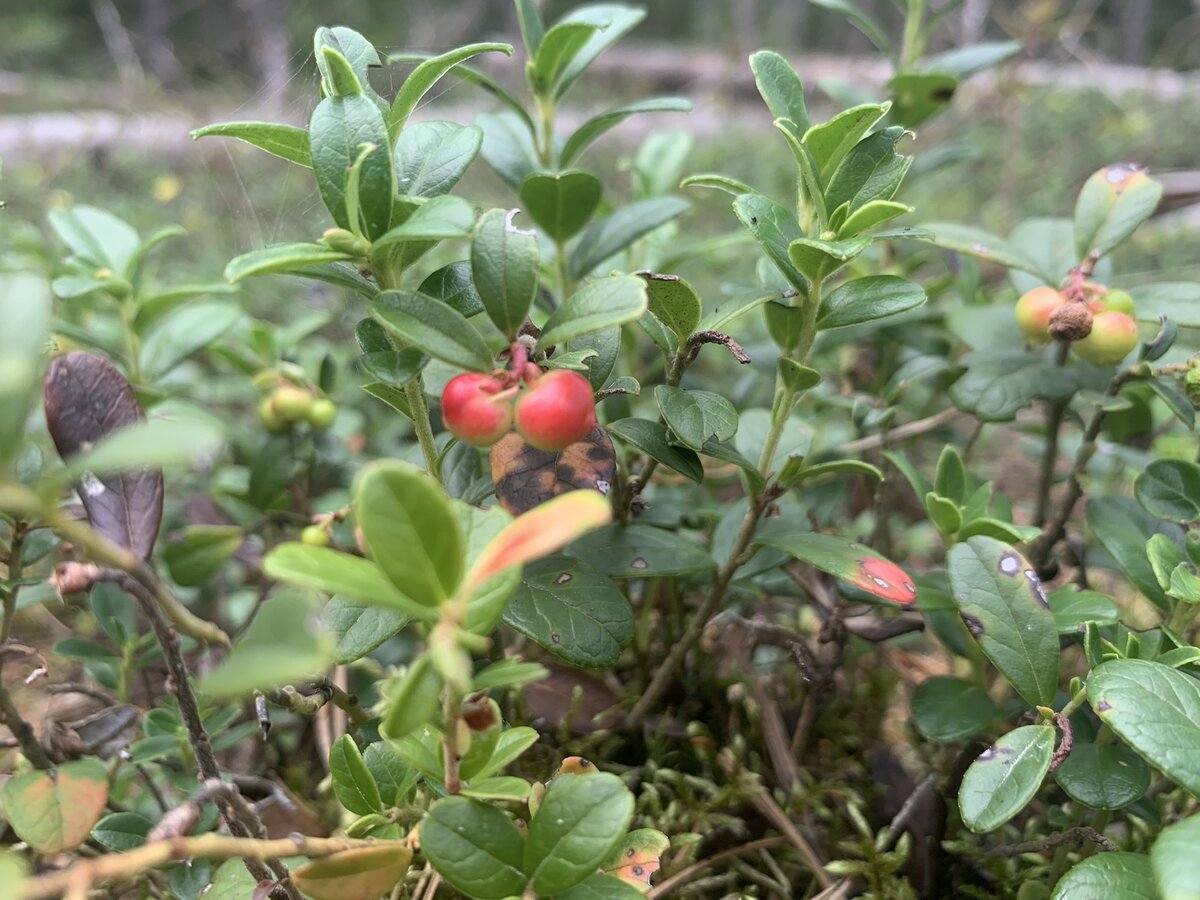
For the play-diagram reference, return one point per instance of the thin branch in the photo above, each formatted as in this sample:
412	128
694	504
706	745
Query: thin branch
290	698
901	432
128	865
685	875
1070	836
22	732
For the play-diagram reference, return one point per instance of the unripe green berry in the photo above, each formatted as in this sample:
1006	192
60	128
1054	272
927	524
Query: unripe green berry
322	413
291	404
268	416
1117	301
315	536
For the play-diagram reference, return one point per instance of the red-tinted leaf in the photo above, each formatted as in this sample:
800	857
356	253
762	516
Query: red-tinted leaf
55	811
845	559
87	399
638	857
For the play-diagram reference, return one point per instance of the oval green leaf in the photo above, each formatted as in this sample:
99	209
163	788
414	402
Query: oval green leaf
1005	777
947	709
1103	777
475	847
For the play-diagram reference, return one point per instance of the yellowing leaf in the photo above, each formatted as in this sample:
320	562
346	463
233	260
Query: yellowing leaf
540	531
55	811
362	874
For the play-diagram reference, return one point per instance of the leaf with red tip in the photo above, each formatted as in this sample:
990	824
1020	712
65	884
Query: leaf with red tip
845	559
575	765
638	857
87	399
539	532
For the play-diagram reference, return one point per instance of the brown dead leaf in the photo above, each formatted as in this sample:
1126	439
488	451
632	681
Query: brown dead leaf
526	477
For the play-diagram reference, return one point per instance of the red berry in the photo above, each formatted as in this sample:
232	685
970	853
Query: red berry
1113	335
556	411
474	409
1034	310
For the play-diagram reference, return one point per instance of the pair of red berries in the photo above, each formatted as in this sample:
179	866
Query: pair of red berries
553	410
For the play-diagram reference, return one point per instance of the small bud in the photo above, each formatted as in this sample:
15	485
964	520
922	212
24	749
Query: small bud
480	712
346	242
1071	322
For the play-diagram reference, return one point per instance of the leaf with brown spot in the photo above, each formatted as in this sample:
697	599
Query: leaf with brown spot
526	477
87	399
638	857
362	874
55	811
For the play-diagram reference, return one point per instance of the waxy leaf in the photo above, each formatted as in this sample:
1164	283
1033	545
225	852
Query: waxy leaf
434	327
1114	876
1122	527
981	244
122	831
1156	710
339	129
87	399
55	812
437	219
603	887
1000	383
1113	202
653	439
1173	860
1073	608
413	704
425	76
475	847
97	237
597	125
430	157
780	88
673	302
947	709
612	22
454	286
868	299
578	824
696	416
1105	776
359	627
573	611
845	559
561	202
871	171
540	531
1005	777
609	236
1170	489
281	258
775	229
409	530
830	142
285	141
600	304
504	266
917	96
641	551
1005	608
364	873
353	784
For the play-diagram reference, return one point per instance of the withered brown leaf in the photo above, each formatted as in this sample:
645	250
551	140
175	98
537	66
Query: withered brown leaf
526	477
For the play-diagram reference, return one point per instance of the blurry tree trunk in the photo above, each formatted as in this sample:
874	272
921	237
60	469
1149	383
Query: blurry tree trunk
786	27
267	40
973	20
154	22
1135	30
747	37
120	47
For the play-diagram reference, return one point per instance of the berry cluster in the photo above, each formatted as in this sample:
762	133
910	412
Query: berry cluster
550	410
288	404
1098	322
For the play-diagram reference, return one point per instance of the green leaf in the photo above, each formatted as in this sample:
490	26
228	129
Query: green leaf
1073	608
820	259
508	146
431	157
963	62
781	88
600	304
695	416
1156	710
561	202
1113	876
24	315
284	642
487	601
640	551
1005	607
512	743
951	478
432	327
917	96
1179	301
1005	777
454	286
652	438
200	554
572	610
412	704
439	218
861	20
870	214
359	627
410	530
590	130
156	443
612	21
363	873
280	258
558	47
532	27
1123	528
717	182
122	831
97	237
1103	777
601	887
185	332
981	244
333	572
393	776
424	76
830	142
504	787
946	515
577	825
1000	383
673	302
358	52
285	141
504	266
339	77
803	473
55	812
775	229
1170	489
868	299
475	847
1173	860
948	710
353	783
612	234
339	128
871	171
845	559
1112	204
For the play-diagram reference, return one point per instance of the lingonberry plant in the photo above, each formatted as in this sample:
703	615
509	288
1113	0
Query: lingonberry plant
538	469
